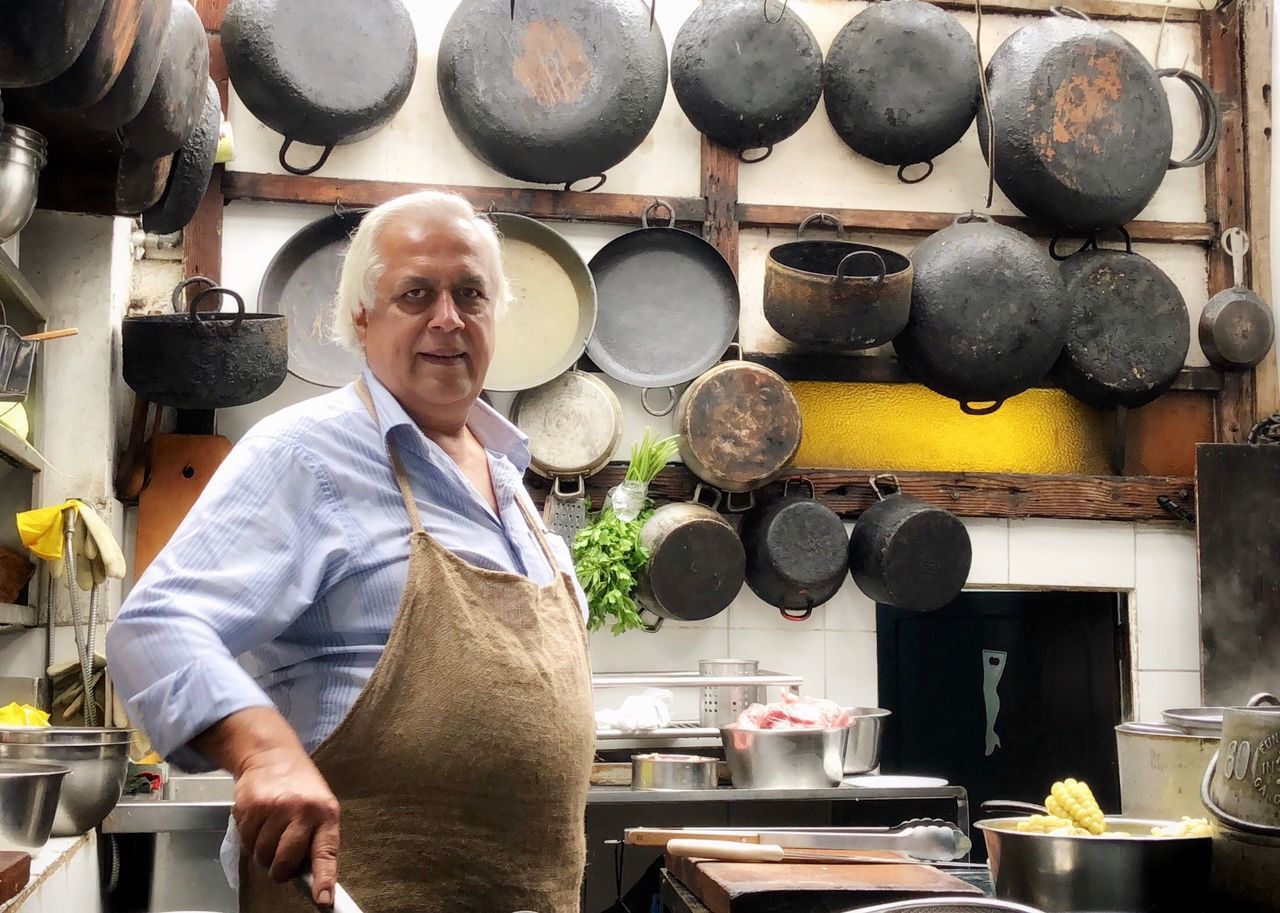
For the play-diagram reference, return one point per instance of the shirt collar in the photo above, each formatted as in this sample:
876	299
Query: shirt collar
494	432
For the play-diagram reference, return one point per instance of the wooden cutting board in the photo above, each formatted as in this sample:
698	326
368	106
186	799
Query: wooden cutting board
15	872
182	466
781	887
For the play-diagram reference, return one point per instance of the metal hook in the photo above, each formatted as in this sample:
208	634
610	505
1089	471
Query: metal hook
897	487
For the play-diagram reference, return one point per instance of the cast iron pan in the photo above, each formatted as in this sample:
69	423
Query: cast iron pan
177	97
39	39
668	306
140	181
100	63
301	282
189	176
129	92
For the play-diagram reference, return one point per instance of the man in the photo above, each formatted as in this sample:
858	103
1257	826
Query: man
362	615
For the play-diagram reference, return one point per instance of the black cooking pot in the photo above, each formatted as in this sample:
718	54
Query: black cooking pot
988	314
696	562
204	360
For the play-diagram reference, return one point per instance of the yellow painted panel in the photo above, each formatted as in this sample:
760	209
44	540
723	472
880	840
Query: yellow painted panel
909	427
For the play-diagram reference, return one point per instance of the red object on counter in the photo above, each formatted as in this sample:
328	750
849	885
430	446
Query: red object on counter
795	712
15	872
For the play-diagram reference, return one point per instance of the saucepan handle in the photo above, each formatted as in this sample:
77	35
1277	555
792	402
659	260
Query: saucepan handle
902	172
293	169
820	217
648	407
968	408
1210	118
842	269
1069	12
219	290
752	159
996	806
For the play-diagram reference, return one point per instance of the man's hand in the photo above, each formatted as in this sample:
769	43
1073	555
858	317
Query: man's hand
284	810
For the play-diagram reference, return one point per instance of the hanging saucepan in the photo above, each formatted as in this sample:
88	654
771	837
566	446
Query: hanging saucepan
1082	126
739	426
668	307
552	91
326	73
189	172
210	360
696	562
836	294
901	83
100	62
1127	328
747	73
173	108
553	305
797	551
907	553
132	87
574	424
40	39
988	313
1236	327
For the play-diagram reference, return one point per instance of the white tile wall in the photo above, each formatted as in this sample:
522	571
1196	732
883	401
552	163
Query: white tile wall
1165	601
1071	554
851	668
990	539
1160	690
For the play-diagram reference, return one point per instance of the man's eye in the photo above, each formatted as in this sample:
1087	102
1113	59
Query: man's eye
469	292
416	293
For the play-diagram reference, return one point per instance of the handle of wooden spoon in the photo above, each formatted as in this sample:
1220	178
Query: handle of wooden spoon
51	334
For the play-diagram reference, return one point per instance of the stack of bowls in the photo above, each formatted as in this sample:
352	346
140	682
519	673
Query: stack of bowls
97	760
23	154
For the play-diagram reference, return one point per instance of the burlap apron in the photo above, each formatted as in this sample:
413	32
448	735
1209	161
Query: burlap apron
462	769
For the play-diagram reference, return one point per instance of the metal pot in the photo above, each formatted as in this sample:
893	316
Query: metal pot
1236	326
1161	767
96	759
901	83
204	361
673	772
907	553
723	704
797	551
988	313
40	40
784	758
862	754
696	563
747	73
29	799
836	294
1082	127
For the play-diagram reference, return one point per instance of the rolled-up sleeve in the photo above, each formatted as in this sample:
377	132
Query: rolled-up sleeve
249	558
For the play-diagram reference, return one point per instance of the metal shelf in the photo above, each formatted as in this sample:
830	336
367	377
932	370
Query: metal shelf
17	452
16	290
762	678
691	729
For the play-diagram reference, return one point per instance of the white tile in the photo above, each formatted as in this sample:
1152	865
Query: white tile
849	610
1166	600
669	650
797	652
1160	691
989	537
1071	553
750	611
851	668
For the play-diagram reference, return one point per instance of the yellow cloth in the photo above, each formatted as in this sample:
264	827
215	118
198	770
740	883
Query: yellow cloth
98	555
41	529
22	715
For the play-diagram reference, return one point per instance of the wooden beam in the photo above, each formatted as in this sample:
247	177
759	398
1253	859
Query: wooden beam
768	215
1096	9
967	494
534	202
720	190
202	237
211	13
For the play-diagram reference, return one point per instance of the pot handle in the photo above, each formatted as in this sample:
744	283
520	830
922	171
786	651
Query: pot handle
1210	118
968	408
654	208
796	614
176	297
656	413
650	627
578	492
844	262
697	496
751	160
219	290
1009	805
1239	824
1069	12
884	476
801	480
600	179
284	151
1055	254
1124	233
735	508
902	172
769	19
971	216
820	217
1263	697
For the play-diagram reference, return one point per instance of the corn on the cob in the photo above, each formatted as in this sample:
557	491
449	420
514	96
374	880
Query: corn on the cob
1045	824
1187	827
1072	799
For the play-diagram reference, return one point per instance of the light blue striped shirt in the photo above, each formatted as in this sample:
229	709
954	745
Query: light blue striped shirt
281	585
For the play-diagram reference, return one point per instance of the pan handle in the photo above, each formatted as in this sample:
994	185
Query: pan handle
1210	118
219	290
799	480
578	492
656	413
734	507
995	806
697	496
968	408
884	477
844	263
650	627
1124	233
971	216
600	179
820	217
796	614
178	289
902	172
751	160
1084	245
1069	12
284	151
654	208
769	19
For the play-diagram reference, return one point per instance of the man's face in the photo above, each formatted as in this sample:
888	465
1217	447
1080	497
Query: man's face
428	333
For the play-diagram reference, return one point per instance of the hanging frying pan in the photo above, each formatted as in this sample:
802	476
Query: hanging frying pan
133	86
192	167
42	38
100	63
173	108
668	307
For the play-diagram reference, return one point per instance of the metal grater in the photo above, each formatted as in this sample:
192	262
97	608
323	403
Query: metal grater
566	512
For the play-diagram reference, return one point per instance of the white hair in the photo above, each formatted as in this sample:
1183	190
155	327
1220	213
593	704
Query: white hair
363	264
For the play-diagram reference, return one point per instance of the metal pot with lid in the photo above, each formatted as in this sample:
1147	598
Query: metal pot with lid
1161	767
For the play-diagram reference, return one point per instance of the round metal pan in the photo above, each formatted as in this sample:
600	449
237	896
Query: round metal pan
668	306
553	306
301	282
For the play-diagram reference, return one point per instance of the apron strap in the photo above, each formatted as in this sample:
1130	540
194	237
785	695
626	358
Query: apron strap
397	467
536	527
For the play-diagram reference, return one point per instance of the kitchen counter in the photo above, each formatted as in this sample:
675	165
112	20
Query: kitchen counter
64	878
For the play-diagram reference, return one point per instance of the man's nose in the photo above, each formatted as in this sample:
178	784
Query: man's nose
444	313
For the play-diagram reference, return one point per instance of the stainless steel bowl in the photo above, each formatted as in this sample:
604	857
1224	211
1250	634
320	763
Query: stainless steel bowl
784	758
19	183
28	803
672	771
97	759
1136	874
863	751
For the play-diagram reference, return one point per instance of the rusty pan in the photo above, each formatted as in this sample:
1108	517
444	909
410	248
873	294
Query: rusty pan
100	63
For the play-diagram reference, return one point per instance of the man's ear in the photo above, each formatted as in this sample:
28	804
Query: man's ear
361	323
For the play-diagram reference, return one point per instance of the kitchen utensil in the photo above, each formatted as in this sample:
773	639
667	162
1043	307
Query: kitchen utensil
726	851
141	181
836	294
342	902
1083	134
1137	873
922	839
696	563
180	467
747	73
672	772
901	84
797	551
907	553
17	360
1160	770
210	360
552	91
862	754
99	64
41	40
723	704
784	758
1199	720
301	282
949	905
739	426
988	313
29	795
96	759
22	157
1127	328
647	334
131	89
15	872
172	110
894	781
553	306
190	171
323	74
1236	326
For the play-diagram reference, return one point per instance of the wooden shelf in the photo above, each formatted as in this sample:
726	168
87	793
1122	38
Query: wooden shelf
16	290
17	452
23	615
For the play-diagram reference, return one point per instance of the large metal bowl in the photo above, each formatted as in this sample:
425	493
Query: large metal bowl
1135	874
862	754
28	802
97	761
784	758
